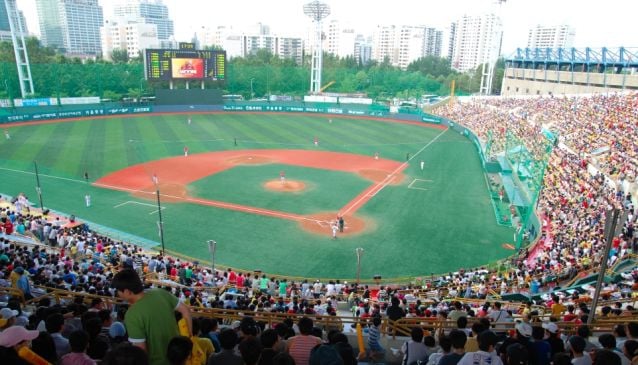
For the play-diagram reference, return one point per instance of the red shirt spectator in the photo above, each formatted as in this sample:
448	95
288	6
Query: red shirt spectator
8	226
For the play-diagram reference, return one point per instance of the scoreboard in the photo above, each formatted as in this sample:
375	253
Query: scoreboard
189	64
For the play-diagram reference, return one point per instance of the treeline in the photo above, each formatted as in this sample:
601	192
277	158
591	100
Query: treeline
257	75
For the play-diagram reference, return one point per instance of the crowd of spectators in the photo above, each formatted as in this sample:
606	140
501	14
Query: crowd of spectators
591	169
587	173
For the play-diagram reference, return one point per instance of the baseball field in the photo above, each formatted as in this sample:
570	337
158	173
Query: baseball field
268	189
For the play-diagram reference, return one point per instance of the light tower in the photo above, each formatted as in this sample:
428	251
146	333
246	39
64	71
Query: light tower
19	47
317	11
490	56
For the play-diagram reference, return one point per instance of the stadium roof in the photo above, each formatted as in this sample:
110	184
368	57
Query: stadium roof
621	57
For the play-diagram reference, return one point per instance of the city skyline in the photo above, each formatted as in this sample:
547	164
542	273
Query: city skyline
594	27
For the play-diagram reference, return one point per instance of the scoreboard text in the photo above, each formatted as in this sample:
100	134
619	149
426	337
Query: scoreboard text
170	64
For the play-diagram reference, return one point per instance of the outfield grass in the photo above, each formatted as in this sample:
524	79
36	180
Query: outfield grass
441	222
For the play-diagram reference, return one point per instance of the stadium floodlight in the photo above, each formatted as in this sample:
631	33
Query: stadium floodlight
493	49
317	11
19	47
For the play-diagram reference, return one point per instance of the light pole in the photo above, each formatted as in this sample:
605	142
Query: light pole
212	247
159	212
38	189
141	89
252	91
359	252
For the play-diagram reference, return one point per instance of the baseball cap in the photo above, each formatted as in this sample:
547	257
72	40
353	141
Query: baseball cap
551	327
16	334
117	331
524	329
8	313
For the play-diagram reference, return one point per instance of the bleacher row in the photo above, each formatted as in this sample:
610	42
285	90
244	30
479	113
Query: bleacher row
66	265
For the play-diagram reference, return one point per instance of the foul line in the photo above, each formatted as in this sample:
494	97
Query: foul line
376	188
45	175
219	204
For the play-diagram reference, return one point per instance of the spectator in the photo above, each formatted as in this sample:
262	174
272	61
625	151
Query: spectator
577	345
299	346
555	343
155	306
471	345
584	332
54	325
268	339
179	350
22	283
620	334
445	345
630	350
205	344
540	350
414	350
485	355
79	341
517	354
126	354
43	345
607	357
458	339
608	342
250	350
15	344
228	339
117	331
562	358
374	338
98	343
209	330
522	333
395	312
8	316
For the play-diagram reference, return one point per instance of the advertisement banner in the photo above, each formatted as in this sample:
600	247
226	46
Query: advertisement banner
34	102
93	112
187	68
431	119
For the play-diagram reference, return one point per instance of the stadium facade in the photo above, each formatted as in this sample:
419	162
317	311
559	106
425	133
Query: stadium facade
547	71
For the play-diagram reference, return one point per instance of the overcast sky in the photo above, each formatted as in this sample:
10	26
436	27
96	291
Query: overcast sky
610	23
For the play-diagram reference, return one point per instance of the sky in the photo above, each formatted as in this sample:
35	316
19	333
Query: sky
609	23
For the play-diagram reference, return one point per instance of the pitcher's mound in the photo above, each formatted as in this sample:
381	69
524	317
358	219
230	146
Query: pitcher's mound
249	160
290	186
320	223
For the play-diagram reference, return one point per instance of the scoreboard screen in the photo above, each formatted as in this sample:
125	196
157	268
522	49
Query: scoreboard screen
190	64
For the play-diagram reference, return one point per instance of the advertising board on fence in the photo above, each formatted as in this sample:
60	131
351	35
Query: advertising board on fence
299	109
91	112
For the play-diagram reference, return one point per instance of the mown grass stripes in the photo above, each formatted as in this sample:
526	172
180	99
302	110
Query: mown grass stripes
448	225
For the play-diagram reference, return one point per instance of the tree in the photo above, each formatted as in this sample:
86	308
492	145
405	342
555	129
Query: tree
119	55
499	72
431	65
